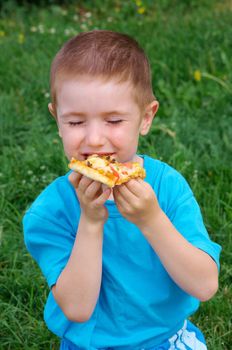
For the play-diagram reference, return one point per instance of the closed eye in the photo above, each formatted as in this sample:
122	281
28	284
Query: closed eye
75	123
115	121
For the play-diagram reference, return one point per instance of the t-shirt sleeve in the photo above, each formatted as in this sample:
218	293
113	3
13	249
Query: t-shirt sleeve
185	214
49	242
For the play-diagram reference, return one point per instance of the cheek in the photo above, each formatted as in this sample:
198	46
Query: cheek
70	138
124	135
130	140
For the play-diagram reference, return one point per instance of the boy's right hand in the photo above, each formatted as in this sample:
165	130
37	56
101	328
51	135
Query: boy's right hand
92	196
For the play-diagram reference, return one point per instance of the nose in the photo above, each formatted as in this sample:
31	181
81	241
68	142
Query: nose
95	135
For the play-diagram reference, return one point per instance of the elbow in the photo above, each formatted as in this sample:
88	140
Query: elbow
79	316
209	291
73	313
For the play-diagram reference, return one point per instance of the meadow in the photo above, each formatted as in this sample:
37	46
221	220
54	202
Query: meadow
190	48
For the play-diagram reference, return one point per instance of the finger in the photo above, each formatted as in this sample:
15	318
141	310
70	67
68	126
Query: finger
103	197
84	183
74	178
136	186
122	205
94	190
126	193
104	187
120	200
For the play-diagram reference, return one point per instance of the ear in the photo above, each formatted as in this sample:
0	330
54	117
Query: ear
148	117
52	110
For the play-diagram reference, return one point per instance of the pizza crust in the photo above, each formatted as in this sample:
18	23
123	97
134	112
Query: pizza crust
91	173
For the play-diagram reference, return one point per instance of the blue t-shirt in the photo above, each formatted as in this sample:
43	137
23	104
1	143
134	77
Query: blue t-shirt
139	304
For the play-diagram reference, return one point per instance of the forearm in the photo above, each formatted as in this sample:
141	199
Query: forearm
78	286
191	268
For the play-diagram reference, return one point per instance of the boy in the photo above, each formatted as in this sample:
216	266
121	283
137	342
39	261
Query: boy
127	266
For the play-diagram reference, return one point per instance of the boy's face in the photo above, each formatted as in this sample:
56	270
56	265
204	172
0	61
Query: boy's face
100	117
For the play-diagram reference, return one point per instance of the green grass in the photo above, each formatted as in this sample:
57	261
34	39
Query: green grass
192	132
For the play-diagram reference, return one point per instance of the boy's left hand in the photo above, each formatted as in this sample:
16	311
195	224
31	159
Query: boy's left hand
137	202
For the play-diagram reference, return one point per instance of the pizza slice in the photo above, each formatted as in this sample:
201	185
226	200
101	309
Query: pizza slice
107	170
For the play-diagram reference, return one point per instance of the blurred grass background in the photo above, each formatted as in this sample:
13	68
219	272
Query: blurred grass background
190	48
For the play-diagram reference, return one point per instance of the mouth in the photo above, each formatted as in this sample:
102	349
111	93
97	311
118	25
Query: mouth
100	154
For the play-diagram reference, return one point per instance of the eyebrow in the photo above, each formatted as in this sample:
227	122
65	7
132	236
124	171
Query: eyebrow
104	114
72	114
114	112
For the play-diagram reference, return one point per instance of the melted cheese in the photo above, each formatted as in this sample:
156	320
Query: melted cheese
97	162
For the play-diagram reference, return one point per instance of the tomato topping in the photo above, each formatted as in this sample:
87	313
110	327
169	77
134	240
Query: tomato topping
128	165
114	171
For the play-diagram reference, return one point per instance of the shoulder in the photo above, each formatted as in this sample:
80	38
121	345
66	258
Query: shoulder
159	172
168	183
59	189
55	201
